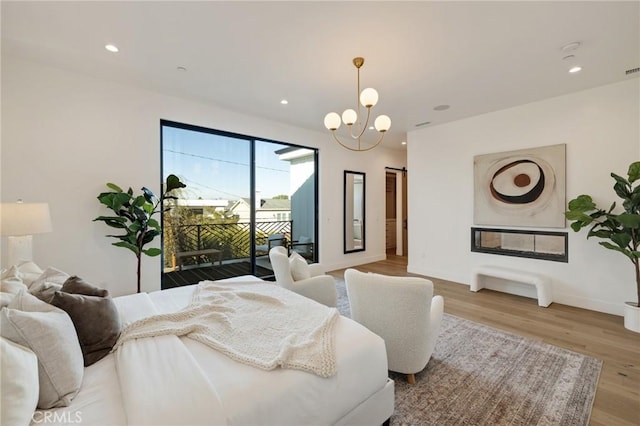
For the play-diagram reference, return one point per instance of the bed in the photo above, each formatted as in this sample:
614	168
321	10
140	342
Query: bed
225	391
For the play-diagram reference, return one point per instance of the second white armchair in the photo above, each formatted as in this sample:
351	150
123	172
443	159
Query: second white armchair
308	280
401	310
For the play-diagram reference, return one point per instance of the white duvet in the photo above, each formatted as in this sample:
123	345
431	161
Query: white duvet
249	322
192	384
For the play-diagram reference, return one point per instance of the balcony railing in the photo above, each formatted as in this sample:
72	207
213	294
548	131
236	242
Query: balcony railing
233	240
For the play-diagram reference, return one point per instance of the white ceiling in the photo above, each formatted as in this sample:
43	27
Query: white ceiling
247	56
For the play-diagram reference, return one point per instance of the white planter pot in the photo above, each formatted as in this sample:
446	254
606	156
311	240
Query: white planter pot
631	317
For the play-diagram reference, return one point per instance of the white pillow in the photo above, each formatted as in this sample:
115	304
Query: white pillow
20	386
51	335
12	281
49	275
46	285
12	286
30	271
299	267
26	271
5	298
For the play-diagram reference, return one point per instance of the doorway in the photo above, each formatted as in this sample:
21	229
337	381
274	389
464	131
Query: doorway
396	211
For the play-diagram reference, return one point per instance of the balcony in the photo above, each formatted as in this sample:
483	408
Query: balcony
193	253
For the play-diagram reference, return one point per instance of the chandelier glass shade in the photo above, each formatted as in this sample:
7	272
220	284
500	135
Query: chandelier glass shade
357	122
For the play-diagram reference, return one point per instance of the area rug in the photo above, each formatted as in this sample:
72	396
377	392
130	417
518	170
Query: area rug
479	375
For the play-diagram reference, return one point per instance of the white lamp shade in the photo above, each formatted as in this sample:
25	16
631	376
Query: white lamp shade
369	97
382	123
349	116
25	218
332	121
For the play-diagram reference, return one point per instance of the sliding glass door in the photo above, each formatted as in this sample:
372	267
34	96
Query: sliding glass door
244	196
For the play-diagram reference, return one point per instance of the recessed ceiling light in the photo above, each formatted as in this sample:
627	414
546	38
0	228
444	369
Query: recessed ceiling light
111	48
424	123
371	127
181	69
284	102
575	69
403	143
441	107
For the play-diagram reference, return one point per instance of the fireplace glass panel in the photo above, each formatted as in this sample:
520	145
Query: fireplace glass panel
510	242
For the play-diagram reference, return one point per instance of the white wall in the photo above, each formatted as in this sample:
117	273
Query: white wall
601	129
64	135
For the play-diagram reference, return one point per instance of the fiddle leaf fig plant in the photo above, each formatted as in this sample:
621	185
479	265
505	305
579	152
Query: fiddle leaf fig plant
621	229
134	217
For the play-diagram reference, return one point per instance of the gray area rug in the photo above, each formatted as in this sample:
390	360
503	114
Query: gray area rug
479	375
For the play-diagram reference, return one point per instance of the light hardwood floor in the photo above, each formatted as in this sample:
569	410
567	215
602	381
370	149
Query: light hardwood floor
592	333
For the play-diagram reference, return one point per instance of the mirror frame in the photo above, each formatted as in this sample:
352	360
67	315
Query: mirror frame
348	200
557	257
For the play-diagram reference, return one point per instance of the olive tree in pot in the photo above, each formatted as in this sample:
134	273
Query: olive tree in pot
134	216
621	229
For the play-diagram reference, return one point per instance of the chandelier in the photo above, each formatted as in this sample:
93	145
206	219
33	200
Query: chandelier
368	99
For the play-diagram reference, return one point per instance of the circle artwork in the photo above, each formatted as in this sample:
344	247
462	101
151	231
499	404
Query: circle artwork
524	187
519	185
519	182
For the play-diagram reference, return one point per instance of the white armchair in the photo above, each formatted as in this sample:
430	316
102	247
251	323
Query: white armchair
401	310
311	282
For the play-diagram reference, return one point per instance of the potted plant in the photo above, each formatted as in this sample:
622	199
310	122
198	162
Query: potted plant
134	216
621	229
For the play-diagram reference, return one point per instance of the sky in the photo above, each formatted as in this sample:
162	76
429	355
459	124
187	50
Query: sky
217	167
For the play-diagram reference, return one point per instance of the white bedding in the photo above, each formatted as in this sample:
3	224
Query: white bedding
158	373
249	322
247	395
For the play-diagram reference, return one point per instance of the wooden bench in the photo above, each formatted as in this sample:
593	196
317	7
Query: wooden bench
542	283
178	257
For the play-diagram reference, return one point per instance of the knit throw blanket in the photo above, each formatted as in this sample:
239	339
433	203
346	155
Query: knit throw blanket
261	325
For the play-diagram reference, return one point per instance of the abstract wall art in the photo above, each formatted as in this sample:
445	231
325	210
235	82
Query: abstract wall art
521	188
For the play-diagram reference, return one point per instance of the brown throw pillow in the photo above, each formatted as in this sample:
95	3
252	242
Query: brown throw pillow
77	285
96	321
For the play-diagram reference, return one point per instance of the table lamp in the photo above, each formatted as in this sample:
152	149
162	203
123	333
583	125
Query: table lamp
19	221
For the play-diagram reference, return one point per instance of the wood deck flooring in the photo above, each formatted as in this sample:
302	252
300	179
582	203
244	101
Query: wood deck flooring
592	333
189	276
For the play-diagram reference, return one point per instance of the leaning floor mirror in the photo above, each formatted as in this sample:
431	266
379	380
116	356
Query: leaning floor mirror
354	207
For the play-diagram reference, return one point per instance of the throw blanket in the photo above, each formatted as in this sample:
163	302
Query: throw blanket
261	325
